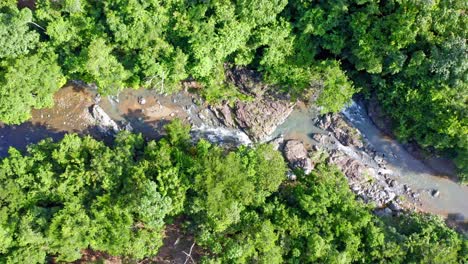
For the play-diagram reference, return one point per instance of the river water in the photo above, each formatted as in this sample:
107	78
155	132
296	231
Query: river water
408	170
453	198
71	115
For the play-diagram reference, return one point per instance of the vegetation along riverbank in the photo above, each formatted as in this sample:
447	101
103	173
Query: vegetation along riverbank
225	131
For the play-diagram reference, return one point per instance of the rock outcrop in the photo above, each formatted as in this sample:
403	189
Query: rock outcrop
257	117
261	117
365	169
103	121
344	133
297	156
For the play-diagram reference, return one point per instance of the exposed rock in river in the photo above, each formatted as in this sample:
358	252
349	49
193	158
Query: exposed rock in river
297	156
103	120
261	117
344	133
367	174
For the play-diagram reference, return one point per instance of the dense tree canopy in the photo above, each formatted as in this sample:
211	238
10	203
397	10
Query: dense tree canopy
63	197
409	54
78	193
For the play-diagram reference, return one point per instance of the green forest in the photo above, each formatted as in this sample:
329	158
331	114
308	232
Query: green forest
59	198
411	54
62	197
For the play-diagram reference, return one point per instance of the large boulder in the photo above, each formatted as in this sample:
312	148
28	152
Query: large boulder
346	134
297	156
103	121
260	118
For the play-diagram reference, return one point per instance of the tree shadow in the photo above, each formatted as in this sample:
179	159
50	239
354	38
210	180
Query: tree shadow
20	136
28	133
31	4
140	123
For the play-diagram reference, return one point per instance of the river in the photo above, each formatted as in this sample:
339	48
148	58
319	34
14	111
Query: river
453	198
71	115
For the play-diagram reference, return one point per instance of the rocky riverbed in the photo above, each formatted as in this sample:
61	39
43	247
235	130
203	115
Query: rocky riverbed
300	132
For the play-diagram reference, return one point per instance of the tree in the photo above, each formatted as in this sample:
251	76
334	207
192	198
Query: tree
28	82
97	64
16	38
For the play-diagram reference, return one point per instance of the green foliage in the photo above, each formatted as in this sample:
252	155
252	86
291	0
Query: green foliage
78	193
28	82
61	198
226	185
412	54
15	36
97	64
29	74
337	90
318	220
157	45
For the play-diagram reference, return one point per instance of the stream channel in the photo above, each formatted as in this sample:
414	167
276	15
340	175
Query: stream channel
71	115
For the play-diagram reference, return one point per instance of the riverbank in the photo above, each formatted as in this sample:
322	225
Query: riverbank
378	168
441	165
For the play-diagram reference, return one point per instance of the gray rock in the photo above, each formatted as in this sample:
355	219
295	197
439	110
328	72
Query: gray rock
141	100
394	206
297	156
344	133
277	142
435	193
261	117
291	176
224	114
128	127
97	99
103	120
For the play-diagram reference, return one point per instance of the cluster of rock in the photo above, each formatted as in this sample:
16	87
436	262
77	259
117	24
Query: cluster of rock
297	156
365	168
258	117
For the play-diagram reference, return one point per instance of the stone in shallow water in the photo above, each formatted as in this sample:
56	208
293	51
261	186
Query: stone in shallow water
141	100
103	120
297	156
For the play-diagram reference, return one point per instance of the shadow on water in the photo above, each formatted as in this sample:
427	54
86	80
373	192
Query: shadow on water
21	136
141	123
